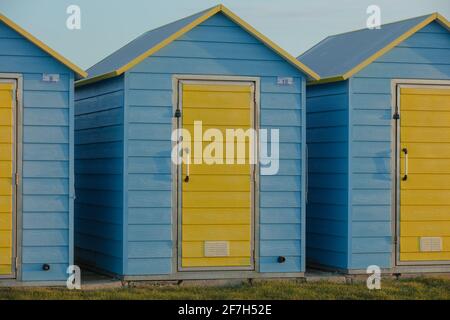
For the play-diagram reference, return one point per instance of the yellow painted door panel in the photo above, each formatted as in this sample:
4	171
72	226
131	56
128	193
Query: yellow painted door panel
429	182
425	194
218	262
5	203
429	150
426	256
425	119
5	152
221	216
426	166
5	117
204	100
216	202
426	100
5	169
216	232
217	169
6	173
425	197
430	228
213	117
421	213
205	199
426	134
216	183
5	256
6	134
5	222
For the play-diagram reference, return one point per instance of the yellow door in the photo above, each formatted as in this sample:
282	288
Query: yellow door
425	174
216	201
6	175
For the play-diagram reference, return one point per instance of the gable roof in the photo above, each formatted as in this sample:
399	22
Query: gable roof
150	42
80	72
339	57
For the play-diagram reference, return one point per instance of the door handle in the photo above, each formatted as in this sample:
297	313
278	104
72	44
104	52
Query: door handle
405	151
188	162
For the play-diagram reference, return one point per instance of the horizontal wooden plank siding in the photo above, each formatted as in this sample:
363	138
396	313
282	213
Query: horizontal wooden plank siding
47	199
99	175
327	207
425	55
217	47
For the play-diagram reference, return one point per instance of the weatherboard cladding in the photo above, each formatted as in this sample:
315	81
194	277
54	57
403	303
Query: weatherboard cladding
218	46
99	174
47	157
327	207
424	55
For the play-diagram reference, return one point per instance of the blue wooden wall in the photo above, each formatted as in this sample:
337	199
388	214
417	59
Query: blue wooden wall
47	157
99	146
425	55
216	47
328	149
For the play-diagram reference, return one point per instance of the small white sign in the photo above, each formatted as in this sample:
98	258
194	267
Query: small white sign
46	77
285	81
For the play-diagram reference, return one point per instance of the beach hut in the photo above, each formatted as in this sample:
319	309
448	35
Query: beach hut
139	215
378	135
36	158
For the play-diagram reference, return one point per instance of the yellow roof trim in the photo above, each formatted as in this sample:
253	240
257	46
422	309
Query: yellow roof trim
326	80
192	25
394	43
41	45
105	76
443	21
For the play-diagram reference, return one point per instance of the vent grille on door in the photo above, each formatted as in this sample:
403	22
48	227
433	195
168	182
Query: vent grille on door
217	249
430	244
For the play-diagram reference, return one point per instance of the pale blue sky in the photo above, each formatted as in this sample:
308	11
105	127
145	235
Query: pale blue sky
107	25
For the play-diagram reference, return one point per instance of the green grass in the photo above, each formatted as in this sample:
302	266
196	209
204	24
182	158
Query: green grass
419	288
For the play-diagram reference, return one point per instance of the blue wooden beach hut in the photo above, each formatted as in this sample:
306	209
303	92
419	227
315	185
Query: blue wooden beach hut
36	158
138	215
379	138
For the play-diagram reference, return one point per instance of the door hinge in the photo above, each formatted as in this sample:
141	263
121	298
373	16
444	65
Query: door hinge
177	113
17	263
396	116
17	179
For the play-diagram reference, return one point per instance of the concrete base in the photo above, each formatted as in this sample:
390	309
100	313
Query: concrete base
95	281
319	275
